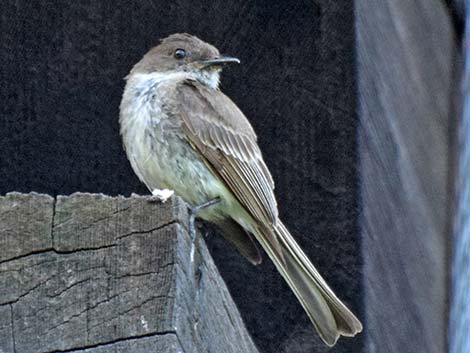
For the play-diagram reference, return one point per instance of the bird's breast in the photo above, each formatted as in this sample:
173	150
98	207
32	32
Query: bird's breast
158	150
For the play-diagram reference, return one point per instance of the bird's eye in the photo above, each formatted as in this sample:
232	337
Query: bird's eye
180	53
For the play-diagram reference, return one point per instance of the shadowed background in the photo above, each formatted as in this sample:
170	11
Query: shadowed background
62	65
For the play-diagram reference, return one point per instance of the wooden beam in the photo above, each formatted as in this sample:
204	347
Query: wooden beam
94	273
406	56
459	328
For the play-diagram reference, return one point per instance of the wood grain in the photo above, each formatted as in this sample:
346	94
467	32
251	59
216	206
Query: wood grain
406	56
121	275
18	237
459	340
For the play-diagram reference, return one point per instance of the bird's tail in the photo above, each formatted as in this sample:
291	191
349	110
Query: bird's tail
330	317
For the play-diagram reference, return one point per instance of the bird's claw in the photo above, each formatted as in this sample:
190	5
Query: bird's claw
192	215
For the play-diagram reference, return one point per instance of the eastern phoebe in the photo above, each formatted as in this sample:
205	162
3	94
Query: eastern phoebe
182	134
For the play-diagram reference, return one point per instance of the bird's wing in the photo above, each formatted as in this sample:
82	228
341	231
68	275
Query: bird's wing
225	138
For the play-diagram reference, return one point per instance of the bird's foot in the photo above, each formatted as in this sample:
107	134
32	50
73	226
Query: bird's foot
161	195
192	215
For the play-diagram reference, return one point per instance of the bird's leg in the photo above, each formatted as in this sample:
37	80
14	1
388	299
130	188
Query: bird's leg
161	195
192	215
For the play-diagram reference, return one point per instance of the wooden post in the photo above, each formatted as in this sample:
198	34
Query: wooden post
94	273
406	59
459	328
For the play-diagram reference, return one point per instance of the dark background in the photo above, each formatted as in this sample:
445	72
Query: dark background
61	70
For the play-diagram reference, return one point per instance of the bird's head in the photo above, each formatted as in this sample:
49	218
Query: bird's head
186	54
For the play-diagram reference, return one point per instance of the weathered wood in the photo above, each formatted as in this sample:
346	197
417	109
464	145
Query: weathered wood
406	54
459	329
167	342
121	274
18	237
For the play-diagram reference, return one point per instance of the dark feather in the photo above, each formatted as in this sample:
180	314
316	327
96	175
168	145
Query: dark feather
242	240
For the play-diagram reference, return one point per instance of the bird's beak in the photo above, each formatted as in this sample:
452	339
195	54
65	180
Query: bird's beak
221	60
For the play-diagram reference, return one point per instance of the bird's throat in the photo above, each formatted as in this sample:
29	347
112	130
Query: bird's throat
207	77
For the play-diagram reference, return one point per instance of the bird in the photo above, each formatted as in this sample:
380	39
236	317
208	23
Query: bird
183	135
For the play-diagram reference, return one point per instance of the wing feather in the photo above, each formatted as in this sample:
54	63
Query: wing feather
223	135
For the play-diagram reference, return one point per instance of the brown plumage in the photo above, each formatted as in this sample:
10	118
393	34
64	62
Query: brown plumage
179	129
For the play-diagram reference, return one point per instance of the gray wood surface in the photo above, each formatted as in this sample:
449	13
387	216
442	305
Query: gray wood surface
459	329
19	238
406	55
95	273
